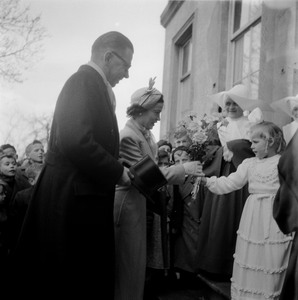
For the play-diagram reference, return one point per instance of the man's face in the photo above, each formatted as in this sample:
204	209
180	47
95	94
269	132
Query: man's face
36	154
119	66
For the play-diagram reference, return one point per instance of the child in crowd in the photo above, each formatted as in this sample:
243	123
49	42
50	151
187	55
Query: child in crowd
185	223
10	150
34	154
182	139
164	145
163	158
3	225
262	250
180	155
20	203
8	166
156	265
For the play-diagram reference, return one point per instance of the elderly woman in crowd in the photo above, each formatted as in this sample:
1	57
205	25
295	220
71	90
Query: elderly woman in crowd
136	141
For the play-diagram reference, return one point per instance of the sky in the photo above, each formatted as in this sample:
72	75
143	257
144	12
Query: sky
73	26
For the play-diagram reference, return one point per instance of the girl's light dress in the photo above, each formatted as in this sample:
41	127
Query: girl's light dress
262	250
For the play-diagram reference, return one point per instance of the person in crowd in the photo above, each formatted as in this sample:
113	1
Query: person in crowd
67	238
10	150
164	145
34	154
137	141
285	212
3	228
157	267
8	167
20	204
163	158
180	155
288	105
220	214
181	139
185	220
262	250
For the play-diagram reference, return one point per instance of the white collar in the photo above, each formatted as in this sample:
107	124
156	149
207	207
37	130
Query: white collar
99	70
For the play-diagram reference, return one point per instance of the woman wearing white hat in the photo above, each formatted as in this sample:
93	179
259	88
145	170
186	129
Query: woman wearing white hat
136	141
221	213
288	105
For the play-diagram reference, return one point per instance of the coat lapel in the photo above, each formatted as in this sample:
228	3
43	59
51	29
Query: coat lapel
144	144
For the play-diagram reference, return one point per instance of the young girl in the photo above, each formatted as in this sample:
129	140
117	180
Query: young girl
262	250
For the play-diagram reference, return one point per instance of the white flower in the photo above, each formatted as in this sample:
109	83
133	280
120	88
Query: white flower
199	137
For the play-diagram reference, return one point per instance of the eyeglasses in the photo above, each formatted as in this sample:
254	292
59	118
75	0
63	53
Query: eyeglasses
127	65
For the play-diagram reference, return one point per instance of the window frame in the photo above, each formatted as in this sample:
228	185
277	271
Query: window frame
234	36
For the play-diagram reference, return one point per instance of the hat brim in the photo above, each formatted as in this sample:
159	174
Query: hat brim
244	103
251	104
282	105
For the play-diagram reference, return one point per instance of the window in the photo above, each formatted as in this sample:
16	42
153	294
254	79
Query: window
186	53
246	40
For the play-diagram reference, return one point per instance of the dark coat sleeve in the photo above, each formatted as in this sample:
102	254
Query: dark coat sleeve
285	212
285	207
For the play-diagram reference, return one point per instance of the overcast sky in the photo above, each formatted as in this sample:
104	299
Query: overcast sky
73	26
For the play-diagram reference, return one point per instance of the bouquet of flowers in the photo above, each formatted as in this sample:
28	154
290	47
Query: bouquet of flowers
204	138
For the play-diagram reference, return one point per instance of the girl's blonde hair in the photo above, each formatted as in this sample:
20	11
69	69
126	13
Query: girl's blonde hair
268	131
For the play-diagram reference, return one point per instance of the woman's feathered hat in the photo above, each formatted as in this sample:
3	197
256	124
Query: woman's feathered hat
239	94
146	97
285	105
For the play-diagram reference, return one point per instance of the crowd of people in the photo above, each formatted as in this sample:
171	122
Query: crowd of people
74	222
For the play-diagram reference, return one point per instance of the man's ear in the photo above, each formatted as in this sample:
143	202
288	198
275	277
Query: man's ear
107	57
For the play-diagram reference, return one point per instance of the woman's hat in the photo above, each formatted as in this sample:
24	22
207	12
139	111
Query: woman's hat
146	97
285	105
239	94
147	176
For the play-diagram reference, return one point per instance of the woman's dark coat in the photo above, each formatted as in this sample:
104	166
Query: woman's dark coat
67	240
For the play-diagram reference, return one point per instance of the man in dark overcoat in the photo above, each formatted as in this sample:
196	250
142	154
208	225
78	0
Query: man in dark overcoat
66	245
285	212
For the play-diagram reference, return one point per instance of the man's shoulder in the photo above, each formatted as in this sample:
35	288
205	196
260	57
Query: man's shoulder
88	73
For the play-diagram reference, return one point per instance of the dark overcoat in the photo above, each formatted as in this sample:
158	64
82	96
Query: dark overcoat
67	240
285	212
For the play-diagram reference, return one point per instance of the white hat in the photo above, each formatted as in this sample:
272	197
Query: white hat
285	105
239	94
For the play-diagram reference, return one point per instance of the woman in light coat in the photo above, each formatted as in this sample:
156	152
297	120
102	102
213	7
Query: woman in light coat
136	141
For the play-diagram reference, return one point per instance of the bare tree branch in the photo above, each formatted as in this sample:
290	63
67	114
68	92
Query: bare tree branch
21	38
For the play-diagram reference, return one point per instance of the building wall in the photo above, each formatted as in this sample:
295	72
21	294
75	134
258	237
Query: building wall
212	53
